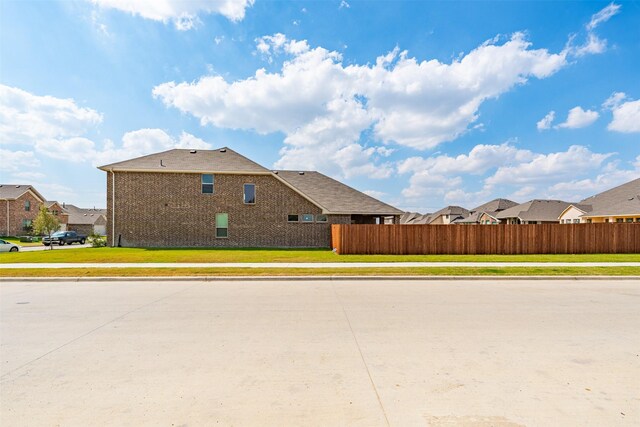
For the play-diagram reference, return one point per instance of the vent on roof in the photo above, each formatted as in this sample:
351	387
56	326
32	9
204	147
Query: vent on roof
162	164
223	150
17	186
193	151
300	173
275	172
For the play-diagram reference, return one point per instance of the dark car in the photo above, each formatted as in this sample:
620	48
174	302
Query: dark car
64	237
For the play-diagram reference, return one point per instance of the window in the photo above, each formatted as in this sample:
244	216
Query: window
222	225
207	183
576	221
589	221
307	218
606	220
619	220
249	194
27	205
629	219
637	219
26	225
292	218
321	218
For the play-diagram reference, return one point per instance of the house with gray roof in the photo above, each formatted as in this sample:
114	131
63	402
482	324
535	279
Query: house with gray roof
487	212
219	198
19	206
447	215
618	204
86	221
533	212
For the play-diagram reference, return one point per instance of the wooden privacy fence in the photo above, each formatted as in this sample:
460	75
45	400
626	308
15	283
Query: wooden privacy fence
486	239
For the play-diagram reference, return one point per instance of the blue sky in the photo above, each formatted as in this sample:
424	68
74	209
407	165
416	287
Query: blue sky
421	104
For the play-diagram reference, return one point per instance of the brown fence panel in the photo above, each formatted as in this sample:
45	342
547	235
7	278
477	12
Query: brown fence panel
486	239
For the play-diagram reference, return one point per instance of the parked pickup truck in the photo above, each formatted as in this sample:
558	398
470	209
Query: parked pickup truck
64	238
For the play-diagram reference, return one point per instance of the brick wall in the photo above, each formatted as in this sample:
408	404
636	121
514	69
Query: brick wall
17	214
169	209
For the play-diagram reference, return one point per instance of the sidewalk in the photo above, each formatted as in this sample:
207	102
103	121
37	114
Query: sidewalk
319	265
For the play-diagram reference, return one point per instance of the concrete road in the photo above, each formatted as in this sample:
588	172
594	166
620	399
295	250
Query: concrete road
468	353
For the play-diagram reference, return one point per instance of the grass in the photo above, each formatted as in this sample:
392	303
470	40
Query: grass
109	255
17	241
345	272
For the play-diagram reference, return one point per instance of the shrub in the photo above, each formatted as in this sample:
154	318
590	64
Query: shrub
97	241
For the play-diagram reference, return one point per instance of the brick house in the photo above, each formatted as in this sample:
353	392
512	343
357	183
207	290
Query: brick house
19	206
87	221
219	198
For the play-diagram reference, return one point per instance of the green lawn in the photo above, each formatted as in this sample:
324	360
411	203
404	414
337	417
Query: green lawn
343	272
18	242
109	255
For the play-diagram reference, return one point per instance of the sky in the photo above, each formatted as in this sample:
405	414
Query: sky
421	104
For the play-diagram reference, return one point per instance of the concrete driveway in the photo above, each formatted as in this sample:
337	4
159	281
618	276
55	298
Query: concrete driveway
325	353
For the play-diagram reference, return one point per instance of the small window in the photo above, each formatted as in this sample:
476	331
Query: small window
292	218
637	219
606	220
26	225
589	221
619	220
222	225
629	219
307	218
576	221
27	205
207	183
321	218
249	194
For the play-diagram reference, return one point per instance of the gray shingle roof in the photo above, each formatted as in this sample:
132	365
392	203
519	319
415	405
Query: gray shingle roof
221	160
415	218
621	200
78	216
333	196
495	205
535	210
12	192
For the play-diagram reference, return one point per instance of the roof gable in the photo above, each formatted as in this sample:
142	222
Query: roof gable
621	200
221	160
12	192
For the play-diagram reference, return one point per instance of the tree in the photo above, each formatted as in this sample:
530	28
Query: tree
45	223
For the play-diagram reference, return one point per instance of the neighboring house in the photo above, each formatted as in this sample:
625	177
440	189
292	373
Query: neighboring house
221	198
573	213
415	218
58	210
619	204
533	212
19	206
87	221
448	215
487	213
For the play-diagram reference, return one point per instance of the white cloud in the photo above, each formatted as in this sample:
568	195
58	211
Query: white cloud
593	43
26	118
603	16
323	106
500	171
344	5
546	121
549	168
579	118
626	115
184	14
134	144
14	161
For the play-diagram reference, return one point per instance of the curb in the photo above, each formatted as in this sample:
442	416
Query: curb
302	278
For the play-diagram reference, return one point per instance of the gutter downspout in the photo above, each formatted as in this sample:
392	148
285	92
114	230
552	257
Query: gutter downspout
113	208
7	217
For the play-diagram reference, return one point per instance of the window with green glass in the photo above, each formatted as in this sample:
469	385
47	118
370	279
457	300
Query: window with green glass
27	205
222	225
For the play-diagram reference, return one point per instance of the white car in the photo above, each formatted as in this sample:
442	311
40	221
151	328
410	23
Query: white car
8	247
